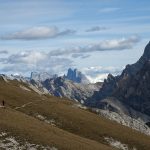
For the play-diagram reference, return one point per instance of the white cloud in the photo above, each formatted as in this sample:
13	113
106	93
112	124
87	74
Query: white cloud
96	28
101	70
80	55
106	45
99	73
28	61
57	61
98	78
3	52
36	33
27	57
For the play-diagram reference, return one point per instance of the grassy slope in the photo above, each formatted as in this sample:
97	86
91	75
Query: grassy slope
69	118
87	124
39	132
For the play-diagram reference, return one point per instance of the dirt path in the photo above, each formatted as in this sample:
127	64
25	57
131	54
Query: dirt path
24	105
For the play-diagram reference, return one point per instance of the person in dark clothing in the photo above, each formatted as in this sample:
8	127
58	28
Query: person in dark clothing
3	103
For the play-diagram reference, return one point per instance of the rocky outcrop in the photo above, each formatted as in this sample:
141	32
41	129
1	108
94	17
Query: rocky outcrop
134	90
134	68
132	87
74	86
106	90
63	87
76	76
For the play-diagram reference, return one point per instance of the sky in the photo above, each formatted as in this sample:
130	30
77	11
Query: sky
95	36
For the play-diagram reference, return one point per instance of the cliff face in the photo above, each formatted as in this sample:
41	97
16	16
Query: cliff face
106	90
76	76
134	90
62	87
134	68
132	87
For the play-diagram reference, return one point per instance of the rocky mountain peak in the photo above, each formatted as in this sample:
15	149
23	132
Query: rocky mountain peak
110	77
134	68
76	76
146	54
131	87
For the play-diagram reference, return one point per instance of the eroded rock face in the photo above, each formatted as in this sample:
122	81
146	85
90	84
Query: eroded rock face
132	87
74	86
63	87
136	91
134	68
76	76
107	88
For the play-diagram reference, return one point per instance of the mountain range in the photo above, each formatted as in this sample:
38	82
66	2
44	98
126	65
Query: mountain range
69	109
34	120
125	96
74	85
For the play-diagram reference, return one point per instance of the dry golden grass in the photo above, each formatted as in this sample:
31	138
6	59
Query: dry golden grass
38	132
87	124
73	120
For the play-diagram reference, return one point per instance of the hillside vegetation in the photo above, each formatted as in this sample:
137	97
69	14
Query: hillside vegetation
58	122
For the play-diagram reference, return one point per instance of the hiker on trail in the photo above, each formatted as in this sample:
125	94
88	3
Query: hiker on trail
3	103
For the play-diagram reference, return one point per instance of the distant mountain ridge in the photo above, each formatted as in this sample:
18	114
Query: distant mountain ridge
33	120
62	87
41	76
72	74
123	98
71	85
